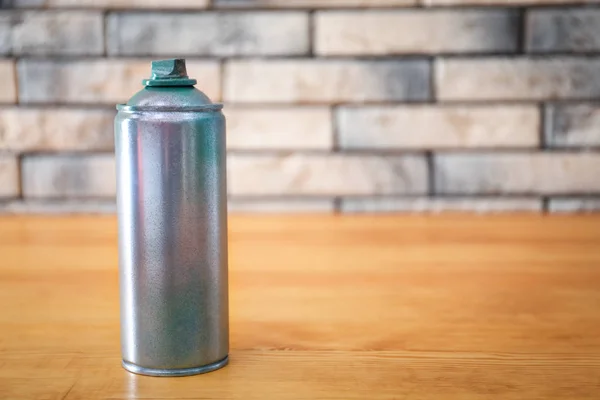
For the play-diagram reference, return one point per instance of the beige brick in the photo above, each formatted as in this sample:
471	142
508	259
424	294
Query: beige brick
573	125
68	176
56	129
99	81
8	89
560	29
573	205
306	205
9	176
518	79
546	173
6	20
504	2
64	33
114	3
424	127
325	175
60	207
396	32
326	81
436	205
312	3
218	34
279	128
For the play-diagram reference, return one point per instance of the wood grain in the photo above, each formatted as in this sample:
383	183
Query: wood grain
448	307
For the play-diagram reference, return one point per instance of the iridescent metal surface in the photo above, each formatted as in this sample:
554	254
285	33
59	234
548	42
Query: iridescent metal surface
172	207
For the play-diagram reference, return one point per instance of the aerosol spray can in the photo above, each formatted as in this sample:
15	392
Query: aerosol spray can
172	209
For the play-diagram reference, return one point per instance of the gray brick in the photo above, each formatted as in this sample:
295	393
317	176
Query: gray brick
156	4
574	205
6	21
98	81
58	207
279	128
63	33
325	175
312	3
573	125
518	79
62	176
217	34
8	90
326	81
428	127
436	205
296	205
396	32
544	173
56	129
573	30
9	176
25	3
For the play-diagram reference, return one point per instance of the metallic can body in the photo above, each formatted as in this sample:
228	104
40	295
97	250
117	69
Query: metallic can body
172	208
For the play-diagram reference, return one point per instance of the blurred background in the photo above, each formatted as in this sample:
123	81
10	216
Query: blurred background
332	105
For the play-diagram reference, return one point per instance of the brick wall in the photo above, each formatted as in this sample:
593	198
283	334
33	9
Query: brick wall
332	105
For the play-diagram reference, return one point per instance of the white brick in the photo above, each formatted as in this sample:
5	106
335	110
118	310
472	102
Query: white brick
64	33
63	176
325	175
306	205
219	34
59	207
560	29
99	81
279	128
397	32
326	81
573	125
424	127
545	173
312	3
573	205
503	2
8	90
518	79
157	4
56	129
9	176
436	205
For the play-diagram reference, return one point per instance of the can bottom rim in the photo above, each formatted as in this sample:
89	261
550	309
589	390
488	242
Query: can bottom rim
136	369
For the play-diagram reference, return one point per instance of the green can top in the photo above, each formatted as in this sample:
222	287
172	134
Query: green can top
169	89
170	72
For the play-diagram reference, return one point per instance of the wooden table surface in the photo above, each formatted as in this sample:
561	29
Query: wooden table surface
366	307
